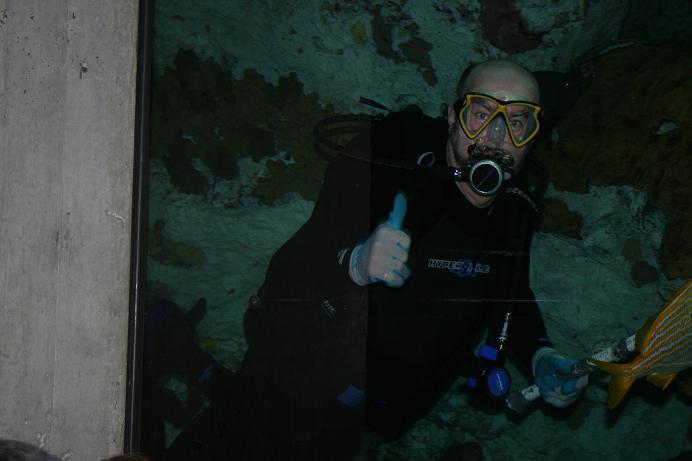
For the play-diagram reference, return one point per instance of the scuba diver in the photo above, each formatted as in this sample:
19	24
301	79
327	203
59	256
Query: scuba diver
373	308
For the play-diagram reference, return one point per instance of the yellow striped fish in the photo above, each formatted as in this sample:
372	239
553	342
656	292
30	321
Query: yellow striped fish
664	344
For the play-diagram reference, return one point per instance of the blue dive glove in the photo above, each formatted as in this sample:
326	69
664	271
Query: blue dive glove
383	256
557	390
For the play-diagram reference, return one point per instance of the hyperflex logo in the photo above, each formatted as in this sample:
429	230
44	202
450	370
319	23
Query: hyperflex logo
461	267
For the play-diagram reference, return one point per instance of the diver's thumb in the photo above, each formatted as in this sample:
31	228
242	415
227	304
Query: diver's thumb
398	213
563	364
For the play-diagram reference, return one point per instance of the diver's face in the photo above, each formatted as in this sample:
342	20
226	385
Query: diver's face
501	88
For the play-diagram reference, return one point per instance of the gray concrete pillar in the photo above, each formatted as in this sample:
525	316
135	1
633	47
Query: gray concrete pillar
67	98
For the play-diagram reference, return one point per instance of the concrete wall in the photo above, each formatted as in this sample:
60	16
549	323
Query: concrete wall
67	91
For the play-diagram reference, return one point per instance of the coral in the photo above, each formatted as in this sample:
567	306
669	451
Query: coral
170	251
282	178
180	169
415	50
632	250
612	137
179	254
558	219
298	114
504	27
643	273
382	35
203	121
358	32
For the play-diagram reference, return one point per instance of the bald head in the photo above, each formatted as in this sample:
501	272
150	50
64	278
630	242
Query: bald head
503	80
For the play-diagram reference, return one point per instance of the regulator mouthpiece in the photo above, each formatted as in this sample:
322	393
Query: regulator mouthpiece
485	169
486	177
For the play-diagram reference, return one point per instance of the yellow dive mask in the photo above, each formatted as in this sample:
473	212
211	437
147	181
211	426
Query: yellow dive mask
478	111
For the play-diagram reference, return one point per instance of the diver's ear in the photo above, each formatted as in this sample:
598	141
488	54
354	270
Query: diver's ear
451	116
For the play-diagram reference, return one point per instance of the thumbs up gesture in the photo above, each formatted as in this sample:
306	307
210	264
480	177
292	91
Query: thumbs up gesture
383	256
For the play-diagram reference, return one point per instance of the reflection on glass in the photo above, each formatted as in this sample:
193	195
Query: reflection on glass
236	170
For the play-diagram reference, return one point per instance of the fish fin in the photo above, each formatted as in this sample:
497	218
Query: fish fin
619	382
661	380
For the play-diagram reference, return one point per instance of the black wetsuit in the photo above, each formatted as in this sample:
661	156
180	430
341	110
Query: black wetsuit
322	350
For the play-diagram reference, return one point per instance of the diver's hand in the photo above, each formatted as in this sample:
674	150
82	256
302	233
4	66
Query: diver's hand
383	256
548	366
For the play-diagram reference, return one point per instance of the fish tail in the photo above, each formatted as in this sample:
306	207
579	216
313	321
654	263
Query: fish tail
620	382
617	389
